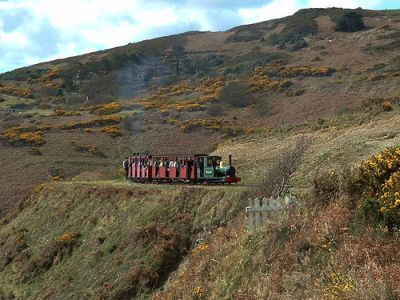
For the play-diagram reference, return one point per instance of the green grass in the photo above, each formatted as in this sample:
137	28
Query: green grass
12	100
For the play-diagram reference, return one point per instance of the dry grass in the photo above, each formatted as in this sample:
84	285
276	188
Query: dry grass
138	235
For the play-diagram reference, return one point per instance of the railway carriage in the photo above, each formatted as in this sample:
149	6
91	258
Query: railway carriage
194	168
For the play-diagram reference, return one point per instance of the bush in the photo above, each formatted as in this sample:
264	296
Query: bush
350	22
193	124
113	131
326	186
88	149
377	183
276	181
215	109
58	250
237	94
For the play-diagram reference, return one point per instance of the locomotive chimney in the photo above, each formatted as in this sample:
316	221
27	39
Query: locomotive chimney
230	159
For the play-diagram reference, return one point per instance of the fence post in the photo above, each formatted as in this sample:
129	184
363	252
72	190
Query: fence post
265	211
257	211
250	215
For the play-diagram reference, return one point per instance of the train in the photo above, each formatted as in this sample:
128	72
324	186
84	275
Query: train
193	169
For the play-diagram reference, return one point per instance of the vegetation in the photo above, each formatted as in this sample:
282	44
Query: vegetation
76	229
104	109
89	149
136	252
279	70
191	125
113	131
276	182
17	91
350	22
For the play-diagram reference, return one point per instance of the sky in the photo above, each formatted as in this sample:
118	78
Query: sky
33	31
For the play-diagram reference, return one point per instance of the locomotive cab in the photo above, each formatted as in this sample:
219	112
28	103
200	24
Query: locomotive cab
210	170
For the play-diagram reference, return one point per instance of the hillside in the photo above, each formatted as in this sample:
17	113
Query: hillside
251	78
128	240
71	227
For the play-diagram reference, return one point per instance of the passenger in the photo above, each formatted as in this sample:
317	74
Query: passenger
125	165
166	162
190	163
157	165
177	166
166	165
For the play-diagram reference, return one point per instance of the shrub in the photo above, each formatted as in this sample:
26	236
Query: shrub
215	109
326	186
295	92
280	70
17	91
60	112
23	138
88	149
276	181
57	250
113	131
102	121
350	22
387	106
35	152
237	94
108	109
377	182
103	109
190	125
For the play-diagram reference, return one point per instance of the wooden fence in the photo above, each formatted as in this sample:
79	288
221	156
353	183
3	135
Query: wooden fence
260	210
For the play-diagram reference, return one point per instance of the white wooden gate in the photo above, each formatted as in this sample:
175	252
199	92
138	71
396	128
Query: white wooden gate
260	210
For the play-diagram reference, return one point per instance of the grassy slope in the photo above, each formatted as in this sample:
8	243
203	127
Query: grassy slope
319	251
116	223
119	214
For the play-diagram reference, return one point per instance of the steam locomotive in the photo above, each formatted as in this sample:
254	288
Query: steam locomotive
195	168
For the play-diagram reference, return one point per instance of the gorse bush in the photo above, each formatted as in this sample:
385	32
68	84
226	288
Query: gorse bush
25	136
88	149
17	91
377	181
191	125
103	109
373	188
385	104
280	70
113	131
